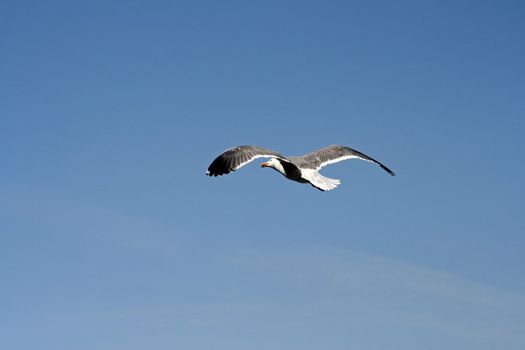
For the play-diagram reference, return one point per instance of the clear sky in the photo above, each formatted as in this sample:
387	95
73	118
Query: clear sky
112	237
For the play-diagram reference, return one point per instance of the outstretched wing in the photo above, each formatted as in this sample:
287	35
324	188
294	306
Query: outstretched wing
236	157
333	154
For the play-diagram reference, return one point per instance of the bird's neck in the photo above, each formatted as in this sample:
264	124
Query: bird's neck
279	167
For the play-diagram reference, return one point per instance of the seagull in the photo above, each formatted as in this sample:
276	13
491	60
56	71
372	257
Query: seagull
303	169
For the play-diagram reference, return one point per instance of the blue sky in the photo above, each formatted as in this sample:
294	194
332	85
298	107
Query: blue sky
113	238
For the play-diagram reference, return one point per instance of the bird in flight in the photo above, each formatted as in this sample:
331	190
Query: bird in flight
303	169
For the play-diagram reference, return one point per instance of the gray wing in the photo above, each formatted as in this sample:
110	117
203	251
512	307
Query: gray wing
333	154
236	157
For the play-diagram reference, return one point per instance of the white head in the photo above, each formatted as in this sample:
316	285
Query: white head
275	164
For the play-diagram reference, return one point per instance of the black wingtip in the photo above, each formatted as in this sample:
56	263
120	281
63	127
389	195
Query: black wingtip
388	170
216	172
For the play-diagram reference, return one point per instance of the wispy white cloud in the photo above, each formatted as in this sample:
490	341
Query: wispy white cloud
247	297
412	299
319	297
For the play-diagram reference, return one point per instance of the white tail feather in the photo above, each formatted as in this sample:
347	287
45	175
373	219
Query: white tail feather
319	181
